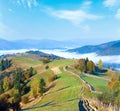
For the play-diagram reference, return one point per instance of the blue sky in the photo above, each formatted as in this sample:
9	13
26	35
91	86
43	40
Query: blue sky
86	21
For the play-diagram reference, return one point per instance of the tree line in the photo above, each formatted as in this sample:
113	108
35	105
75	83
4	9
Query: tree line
5	63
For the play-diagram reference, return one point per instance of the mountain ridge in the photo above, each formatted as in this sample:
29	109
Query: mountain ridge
109	48
37	44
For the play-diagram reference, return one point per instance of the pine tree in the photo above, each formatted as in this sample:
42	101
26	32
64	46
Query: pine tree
1	87
18	77
42	85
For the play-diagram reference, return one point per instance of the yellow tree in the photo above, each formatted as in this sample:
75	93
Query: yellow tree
82	65
100	64
6	83
90	66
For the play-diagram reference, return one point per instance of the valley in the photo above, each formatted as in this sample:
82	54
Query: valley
69	90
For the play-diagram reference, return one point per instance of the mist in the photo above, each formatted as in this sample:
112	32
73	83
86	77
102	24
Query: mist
113	61
91	56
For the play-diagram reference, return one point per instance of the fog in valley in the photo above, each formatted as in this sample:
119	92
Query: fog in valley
113	61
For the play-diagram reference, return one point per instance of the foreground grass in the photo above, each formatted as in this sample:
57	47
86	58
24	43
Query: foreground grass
98	83
62	97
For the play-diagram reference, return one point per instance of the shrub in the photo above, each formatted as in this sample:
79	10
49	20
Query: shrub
46	67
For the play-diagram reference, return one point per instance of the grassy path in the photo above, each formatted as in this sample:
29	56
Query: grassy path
89	85
64	96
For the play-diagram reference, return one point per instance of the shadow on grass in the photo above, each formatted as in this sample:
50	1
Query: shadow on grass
73	99
35	107
51	103
58	76
63	88
99	72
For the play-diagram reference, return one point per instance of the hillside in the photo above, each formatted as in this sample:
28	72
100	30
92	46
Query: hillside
66	87
110	48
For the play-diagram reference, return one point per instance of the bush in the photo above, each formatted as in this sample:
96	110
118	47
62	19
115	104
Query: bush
46	67
25	99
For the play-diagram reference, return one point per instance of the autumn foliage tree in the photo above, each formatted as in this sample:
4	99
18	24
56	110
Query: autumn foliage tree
82	65
45	60
90	66
100	64
7	83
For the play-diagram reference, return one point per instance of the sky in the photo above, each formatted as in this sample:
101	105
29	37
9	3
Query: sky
85	21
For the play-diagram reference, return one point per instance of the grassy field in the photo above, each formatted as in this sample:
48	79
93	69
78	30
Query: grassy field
98	83
62	62
65	92
63	95
25	62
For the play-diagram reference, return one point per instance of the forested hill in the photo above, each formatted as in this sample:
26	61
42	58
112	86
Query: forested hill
109	48
44	55
34	54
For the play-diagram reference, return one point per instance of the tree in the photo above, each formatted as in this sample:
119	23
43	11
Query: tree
46	67
5	63
91	66
100	64
82	65
17	81
34	88
45	60
42	85
1	87
27	74
6	83
86	61
31	71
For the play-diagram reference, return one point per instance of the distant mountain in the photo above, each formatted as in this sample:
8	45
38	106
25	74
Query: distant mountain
110	48
36	44
44	55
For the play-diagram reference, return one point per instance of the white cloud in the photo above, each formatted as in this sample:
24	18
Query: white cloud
86	5
28	3
110	3
74	16
118	14
10	10
91	56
